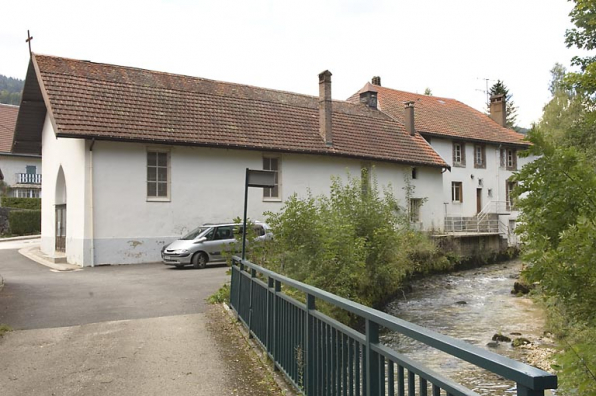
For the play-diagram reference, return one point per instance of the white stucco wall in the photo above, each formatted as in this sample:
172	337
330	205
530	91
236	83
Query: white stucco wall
493	177
70	154
13	164
207	185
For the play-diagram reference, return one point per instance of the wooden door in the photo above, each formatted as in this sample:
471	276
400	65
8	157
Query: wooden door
61	228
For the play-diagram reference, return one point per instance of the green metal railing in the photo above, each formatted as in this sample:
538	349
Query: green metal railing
321	356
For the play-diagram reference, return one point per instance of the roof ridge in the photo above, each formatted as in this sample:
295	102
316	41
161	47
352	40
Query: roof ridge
343	102
423	95
175	75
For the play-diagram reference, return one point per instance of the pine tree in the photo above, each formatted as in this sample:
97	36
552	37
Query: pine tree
499	88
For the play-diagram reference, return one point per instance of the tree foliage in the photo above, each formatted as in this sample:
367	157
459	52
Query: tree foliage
557	199
499	88
356	243
10	90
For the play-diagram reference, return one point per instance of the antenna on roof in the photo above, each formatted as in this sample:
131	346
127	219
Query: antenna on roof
486	92
29	38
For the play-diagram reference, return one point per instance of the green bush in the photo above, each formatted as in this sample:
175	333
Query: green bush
21	203
356	243
24	222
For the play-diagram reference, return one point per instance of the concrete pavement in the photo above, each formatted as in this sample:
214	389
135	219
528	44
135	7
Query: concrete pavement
121	330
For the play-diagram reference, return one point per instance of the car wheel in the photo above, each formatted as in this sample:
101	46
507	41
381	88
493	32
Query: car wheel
199	260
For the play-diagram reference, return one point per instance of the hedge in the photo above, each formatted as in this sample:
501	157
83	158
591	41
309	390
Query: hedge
25	222
21	203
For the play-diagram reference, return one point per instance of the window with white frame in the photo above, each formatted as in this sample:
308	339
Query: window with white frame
27	193
158	175
479	156
272	164
459	154
456	192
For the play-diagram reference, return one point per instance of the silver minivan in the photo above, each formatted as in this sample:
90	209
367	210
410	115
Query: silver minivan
207	244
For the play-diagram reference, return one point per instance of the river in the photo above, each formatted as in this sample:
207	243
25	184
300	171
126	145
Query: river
471	305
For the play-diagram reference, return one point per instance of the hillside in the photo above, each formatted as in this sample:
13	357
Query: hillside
10	90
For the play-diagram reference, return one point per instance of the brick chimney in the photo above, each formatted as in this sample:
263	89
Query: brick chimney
369	96
498	111
376	80
325	107
409	120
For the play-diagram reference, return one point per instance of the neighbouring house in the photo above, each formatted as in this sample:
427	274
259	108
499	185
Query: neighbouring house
481	152
21	172
135	158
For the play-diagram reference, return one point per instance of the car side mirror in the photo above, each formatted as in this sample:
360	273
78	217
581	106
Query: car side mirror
201	239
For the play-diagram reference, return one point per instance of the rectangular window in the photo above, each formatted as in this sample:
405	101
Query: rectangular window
272	164
31	169
158	175
459	154
27	193
414	173
456	192
479	156
511	159
415	205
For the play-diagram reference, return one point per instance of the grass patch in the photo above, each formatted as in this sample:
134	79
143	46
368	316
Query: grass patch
220	296
4	329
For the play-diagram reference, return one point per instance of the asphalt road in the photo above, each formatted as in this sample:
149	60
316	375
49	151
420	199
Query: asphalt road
120	330
36	297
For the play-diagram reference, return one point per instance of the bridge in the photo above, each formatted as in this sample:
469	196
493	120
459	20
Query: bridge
321	356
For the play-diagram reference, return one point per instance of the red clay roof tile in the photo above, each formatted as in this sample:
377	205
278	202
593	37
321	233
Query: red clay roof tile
123	103
442	116
8	120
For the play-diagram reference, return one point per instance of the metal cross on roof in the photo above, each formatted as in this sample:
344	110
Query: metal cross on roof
29	38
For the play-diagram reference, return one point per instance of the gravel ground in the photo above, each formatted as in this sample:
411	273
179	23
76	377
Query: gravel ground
247	372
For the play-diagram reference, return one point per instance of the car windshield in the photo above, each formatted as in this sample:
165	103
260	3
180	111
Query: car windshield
195	233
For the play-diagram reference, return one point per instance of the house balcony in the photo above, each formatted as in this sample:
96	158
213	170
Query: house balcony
485	222
28	178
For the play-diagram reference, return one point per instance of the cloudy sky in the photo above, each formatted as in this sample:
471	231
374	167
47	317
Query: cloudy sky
449	46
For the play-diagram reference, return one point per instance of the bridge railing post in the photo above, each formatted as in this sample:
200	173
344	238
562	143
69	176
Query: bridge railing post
253	274
525	391
276	323
309	333
372	359
270	299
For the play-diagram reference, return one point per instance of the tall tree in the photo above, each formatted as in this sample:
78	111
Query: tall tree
557	200
499	88
428	92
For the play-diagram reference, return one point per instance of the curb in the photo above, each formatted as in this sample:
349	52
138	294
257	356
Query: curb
28	252
20	238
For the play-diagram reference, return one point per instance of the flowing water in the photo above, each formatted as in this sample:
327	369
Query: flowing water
471	305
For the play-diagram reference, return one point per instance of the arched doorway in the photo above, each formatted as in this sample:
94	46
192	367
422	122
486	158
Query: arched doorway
60	203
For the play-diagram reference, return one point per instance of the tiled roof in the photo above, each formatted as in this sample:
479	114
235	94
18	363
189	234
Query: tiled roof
8	120
443	116
121	103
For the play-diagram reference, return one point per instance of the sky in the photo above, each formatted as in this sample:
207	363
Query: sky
449	46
